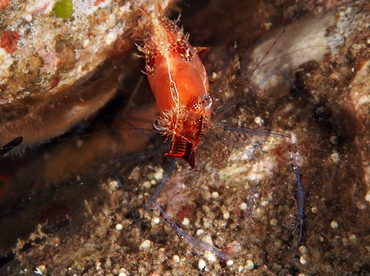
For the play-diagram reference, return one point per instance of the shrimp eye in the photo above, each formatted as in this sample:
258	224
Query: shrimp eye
157	124
206	101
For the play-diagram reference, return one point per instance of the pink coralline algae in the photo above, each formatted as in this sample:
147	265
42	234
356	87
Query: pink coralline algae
8	41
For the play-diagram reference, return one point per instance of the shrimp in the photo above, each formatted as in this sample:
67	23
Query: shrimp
179	83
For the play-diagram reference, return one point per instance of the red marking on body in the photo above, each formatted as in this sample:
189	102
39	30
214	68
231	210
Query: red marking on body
361	63
185	212
97	2
179	83
55	81
8	41
102	17
4	3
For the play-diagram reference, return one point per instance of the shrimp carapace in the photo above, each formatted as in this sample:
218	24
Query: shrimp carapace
179	83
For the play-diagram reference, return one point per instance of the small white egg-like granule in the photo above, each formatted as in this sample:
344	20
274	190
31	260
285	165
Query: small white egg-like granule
367	197
264	203
108	263
185	221
147	184
258	120
230	262
113	184
278	243
303	249
210	256
334	140
123	270
110	37
226	215
215	194
28	17
334	224
158	175
352	238
41	269
145	244
249	265
302	260
176	258
201	264
335	157
243	206
119	226
86	43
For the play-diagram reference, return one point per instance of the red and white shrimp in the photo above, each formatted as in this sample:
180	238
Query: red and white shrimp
179	83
